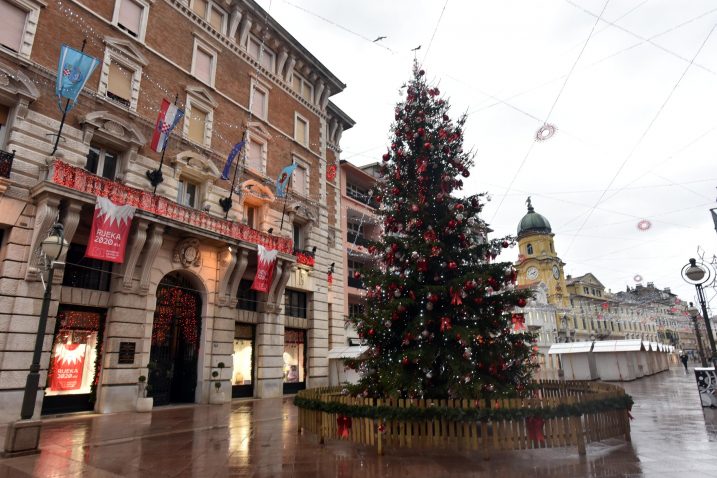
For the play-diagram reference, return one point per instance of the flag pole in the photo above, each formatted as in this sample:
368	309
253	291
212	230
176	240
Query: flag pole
64	112
286	198
226	203
155	176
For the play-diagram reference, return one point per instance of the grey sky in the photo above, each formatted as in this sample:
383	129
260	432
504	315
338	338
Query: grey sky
504	62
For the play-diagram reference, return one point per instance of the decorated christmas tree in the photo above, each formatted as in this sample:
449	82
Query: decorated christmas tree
440	318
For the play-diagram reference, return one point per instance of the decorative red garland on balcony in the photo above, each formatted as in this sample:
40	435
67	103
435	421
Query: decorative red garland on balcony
305	258
84	181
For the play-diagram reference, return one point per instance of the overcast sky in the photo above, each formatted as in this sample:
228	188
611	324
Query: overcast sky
636	119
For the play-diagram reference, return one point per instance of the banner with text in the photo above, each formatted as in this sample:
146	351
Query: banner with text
110	228
266	260
67	367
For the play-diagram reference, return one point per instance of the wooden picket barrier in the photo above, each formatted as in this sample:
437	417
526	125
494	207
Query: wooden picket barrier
484	436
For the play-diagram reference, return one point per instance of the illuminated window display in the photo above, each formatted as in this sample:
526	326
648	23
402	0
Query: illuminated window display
74	361
294	352
242	357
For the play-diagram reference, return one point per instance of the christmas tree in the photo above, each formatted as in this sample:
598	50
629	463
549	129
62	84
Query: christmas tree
439	314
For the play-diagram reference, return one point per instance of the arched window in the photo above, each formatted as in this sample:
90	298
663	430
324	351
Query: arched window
530	248
552	249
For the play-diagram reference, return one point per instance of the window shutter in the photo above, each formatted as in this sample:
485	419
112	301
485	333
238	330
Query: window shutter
300	131
203	66
13	19
3	115
253	156
197	125
119	82
216	18
258	102
130	16
298	182
307	91
200	7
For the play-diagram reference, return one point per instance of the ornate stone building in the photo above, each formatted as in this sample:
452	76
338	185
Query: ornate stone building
180	305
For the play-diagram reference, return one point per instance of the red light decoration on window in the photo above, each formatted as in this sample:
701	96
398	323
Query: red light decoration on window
331	172
305	259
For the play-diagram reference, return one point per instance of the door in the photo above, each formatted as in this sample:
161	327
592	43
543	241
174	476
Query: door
175	342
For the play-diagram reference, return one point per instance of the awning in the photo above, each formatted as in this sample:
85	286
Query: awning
570	348
347	351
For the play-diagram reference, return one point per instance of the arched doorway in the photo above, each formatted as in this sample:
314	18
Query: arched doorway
175	341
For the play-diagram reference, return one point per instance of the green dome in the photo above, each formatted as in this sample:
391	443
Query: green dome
533	222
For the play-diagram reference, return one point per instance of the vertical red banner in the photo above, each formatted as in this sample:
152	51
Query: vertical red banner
266	260
110	228
67	367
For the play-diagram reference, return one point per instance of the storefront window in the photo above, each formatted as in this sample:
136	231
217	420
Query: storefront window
242	357
74	353
294	360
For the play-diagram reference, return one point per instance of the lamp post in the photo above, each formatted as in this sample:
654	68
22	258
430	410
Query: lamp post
698	337
52	247
23	436
697	275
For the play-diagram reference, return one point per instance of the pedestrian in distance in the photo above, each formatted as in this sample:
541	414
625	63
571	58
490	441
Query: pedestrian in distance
684	358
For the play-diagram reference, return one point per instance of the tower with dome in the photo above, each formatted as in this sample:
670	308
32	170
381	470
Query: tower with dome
537	259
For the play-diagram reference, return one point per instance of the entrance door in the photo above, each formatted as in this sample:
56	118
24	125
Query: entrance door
175	342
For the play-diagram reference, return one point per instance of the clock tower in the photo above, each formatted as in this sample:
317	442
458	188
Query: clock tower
537	260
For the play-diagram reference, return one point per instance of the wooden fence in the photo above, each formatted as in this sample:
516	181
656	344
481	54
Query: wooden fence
485	436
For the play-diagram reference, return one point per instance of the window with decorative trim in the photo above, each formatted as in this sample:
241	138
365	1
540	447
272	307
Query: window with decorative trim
530	249
248	298
299	181
255	154
211	12
131	17
250	216
187	193
121	73
4	117
204	63
259	101
261	53
198	119
19	24
298	235
102	162
295	303
301	129
303	87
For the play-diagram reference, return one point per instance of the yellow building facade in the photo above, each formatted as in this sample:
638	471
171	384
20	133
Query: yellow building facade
537	259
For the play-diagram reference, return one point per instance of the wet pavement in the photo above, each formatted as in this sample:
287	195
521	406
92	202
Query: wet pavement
672	436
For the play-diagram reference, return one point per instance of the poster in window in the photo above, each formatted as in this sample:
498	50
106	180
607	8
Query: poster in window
68	365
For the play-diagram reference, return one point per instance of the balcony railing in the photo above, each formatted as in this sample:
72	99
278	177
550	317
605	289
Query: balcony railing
6	163
362	198
86	182
305	257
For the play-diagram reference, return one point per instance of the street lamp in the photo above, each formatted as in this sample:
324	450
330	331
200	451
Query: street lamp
698	337
23	436
697	275
52	247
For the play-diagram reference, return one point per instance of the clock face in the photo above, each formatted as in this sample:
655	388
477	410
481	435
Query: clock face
556	272
531	273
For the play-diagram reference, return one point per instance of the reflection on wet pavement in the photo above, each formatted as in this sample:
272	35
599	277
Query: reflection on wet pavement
671	436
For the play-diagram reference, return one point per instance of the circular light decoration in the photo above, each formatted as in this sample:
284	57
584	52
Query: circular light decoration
644	225
545	132
637	278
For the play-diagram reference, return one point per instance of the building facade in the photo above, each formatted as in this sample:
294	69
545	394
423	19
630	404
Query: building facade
179	309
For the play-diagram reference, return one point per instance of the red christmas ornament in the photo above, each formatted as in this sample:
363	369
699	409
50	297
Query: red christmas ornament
452	224
505	244
371	332
433	298
445	324
465	173
395	191
357	275
405	361
427	145
421	72
422	265
458	207
435	251
522	302
452	265
414	207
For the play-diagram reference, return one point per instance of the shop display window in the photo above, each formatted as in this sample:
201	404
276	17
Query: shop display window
242	356
74	353
294	356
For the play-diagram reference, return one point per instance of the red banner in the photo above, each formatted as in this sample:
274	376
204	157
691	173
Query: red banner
67	366
110	228
266	260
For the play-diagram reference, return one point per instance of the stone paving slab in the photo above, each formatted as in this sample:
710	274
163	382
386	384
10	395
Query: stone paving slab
672	436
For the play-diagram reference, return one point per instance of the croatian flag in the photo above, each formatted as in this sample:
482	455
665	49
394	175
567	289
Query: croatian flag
230	159
168	117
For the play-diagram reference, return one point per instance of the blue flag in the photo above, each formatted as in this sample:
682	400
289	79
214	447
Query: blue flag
230	159
73	71
282	182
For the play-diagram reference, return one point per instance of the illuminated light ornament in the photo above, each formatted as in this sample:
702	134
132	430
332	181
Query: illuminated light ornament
637	278
644	225
545	132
